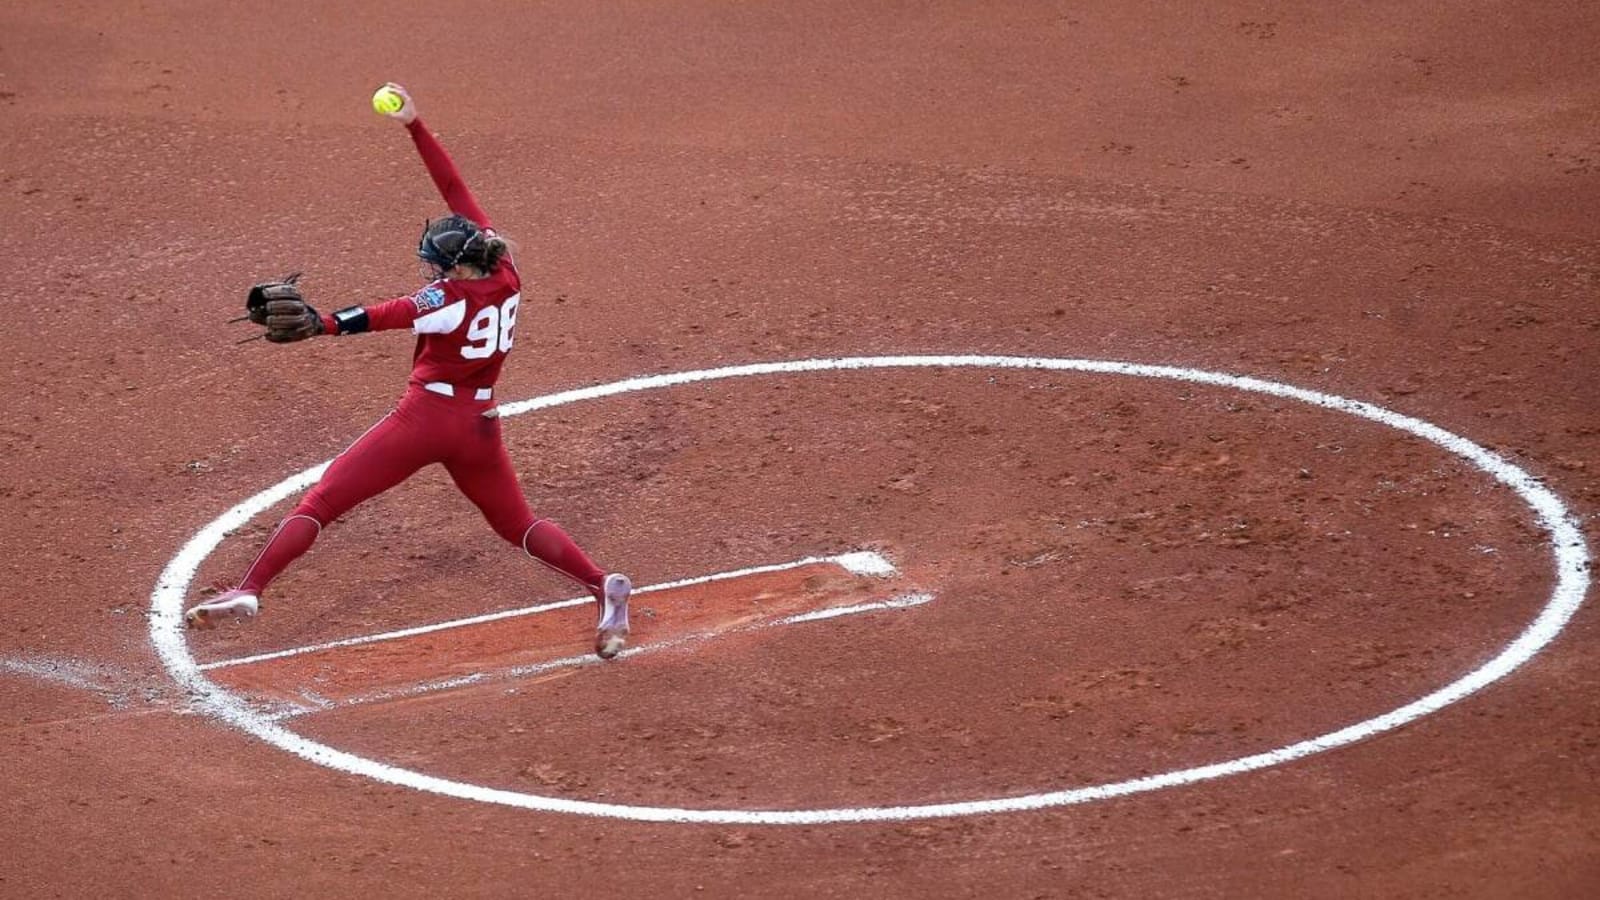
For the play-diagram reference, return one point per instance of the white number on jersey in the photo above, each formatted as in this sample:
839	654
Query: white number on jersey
491	329
508	321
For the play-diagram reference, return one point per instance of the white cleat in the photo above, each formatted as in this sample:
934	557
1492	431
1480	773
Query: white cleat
240	605
612	633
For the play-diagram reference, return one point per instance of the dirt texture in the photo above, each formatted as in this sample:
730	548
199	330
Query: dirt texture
1394	203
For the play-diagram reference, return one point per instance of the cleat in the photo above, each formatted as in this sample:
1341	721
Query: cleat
241	605
612	633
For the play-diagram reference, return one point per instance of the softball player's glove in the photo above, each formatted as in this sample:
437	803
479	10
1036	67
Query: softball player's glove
278	306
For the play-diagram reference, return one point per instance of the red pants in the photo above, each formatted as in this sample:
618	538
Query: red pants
426	428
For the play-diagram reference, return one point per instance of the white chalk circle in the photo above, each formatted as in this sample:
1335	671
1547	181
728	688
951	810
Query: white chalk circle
1568	550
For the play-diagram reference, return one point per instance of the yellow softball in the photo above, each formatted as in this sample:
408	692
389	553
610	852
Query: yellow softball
387	101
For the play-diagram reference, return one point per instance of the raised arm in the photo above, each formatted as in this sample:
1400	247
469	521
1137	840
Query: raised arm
441	168
446	178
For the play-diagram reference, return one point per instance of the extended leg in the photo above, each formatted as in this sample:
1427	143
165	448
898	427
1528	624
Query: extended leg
490	482
380	459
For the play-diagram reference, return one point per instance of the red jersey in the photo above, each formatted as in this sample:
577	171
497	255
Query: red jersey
464	327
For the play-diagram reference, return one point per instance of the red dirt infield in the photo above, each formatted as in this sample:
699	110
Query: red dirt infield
1129	576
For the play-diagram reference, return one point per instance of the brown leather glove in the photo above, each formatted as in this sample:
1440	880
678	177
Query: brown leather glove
291	319
279	307
255	303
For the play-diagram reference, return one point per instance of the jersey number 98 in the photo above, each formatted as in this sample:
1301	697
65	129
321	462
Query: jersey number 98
491	329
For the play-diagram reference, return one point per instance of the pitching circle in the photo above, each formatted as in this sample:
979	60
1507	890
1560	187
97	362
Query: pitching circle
1569	554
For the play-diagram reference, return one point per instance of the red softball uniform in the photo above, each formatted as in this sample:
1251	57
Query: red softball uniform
465	328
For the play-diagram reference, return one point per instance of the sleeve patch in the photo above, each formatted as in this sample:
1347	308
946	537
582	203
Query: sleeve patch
428	299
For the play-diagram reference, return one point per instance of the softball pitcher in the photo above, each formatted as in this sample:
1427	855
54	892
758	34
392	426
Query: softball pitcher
465	322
